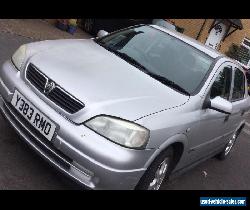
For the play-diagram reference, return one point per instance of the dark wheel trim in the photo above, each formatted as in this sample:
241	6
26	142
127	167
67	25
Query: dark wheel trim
162	165
227	149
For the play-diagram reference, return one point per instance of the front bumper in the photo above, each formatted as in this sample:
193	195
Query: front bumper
77	151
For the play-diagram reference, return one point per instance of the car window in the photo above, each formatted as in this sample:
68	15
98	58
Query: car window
162	54
164	23
239	85
222	84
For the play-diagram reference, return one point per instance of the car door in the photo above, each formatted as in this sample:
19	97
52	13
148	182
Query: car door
239	99
214	127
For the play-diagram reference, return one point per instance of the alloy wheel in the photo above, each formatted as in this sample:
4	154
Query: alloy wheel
230	144
159	175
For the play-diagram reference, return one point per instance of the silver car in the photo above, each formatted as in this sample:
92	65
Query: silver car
124	110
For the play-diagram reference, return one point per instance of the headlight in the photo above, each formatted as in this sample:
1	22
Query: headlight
19	57
120	131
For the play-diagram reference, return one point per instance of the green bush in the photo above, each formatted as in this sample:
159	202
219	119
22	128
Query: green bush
179	29
73	22
233	51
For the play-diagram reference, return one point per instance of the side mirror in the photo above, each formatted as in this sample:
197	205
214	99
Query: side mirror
102	33
221	105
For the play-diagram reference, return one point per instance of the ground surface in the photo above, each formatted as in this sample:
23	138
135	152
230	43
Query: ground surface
37	29
20	168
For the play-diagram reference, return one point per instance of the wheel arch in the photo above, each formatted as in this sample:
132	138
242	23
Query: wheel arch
179	144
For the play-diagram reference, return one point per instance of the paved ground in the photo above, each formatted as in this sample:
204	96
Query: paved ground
20	168
37	29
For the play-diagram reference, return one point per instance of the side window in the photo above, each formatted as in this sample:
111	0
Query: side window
239	85
222	84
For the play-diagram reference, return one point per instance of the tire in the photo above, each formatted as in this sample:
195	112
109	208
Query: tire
149	176
227	149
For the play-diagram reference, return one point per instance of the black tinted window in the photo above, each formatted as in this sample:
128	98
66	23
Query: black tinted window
162	54
222	84
239	85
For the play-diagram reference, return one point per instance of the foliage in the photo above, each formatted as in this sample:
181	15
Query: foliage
179	29
73	22
233	51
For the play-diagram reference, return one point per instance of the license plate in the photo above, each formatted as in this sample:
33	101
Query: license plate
39	121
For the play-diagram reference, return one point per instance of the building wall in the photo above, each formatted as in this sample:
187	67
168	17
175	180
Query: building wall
192	27
204	34
237	36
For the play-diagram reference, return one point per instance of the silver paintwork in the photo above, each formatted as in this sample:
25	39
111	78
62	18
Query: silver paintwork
102	33
111	86
221	104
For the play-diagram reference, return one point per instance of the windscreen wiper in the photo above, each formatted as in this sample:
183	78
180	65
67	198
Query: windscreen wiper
145	70
168	82
155	76
124	56
130	60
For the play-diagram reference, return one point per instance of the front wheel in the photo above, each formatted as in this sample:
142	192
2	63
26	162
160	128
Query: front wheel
227	149
158	171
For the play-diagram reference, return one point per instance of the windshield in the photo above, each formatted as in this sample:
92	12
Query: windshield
164	57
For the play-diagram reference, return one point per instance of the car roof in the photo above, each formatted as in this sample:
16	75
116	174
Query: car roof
206	49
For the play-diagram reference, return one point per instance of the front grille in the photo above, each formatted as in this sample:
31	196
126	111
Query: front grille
59	96
36	78
65	101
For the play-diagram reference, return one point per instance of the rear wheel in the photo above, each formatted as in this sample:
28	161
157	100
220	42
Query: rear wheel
158	171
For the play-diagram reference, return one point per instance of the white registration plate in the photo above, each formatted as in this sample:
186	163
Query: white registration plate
39	121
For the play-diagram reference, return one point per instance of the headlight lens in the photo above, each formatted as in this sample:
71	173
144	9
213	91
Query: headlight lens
120	131
19	57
